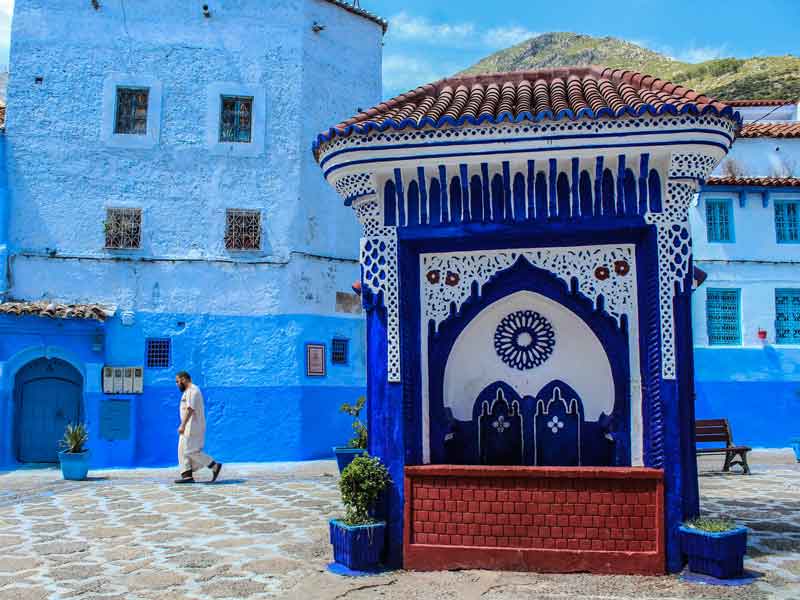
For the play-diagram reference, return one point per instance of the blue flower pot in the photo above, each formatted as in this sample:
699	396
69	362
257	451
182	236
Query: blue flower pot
346	454
796	447
74	466
358	547
720	555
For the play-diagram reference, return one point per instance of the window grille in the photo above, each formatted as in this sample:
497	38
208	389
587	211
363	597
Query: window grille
722	317
787	222
718	220
339	349
131	115
787	316
242	229
123	228
158	353
236	121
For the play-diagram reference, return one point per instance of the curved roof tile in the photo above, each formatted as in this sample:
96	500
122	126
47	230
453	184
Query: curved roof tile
533	95
775	130
755	181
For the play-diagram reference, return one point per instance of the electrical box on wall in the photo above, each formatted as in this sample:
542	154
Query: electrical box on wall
123	380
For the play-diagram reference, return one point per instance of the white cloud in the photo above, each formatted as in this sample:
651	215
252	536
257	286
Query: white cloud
503	37
410	27
402	72
404	26
701	54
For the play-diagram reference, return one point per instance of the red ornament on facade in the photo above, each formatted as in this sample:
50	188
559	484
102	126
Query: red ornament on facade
621	267
433	276
452	279
602	273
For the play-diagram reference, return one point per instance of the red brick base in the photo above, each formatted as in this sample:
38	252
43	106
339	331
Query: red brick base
546	519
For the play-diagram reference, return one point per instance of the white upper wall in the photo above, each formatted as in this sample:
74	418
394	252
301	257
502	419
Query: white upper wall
64	172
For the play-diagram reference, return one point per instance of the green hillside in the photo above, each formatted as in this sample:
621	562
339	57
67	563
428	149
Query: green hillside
727	78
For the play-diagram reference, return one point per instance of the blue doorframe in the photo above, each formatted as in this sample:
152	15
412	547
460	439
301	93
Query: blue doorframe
48	394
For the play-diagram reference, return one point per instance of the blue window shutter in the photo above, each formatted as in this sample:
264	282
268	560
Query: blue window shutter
787	222
722	317
787	316
718	220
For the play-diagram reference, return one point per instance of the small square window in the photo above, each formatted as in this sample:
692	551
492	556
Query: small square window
787	222
158	353
242	229
123	228
339	349
719	220
787	316
131	115
236	120
723	317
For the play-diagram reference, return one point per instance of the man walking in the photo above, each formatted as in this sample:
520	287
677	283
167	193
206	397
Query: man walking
192	432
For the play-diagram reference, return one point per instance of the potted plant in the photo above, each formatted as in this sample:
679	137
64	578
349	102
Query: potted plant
714	547
75	457
357	539
796	447
358	444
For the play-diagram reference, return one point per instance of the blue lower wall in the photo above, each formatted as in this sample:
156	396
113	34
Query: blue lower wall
260	404
756	389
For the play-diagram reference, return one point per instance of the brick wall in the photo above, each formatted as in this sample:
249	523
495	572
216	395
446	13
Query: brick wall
534	518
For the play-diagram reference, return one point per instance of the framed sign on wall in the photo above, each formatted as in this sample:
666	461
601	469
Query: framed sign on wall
315	360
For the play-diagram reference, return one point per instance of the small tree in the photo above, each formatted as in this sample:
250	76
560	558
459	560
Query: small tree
359	439
362	482
75	437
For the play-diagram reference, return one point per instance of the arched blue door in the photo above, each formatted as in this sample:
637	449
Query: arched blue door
48	394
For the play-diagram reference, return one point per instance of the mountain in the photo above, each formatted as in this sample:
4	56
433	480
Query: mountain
727	78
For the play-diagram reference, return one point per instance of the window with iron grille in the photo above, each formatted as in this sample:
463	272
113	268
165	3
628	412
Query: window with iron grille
722	317
242	229
787	222
339	349
131	117
123	228
787	316
719	220
236	121
158	353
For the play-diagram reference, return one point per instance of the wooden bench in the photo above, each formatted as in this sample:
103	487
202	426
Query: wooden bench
718	430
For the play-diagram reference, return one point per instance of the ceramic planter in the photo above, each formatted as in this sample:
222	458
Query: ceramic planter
74	466
346	454
720	555
358	547
796	447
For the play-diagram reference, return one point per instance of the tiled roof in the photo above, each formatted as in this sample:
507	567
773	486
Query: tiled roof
357	10
755	181
758	102
57	311
775	130
569	93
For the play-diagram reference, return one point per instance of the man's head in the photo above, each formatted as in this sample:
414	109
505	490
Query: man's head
183	380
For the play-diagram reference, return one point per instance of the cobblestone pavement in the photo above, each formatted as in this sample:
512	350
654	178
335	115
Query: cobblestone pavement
261	532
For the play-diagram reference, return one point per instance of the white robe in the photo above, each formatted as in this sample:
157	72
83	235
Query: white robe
190	445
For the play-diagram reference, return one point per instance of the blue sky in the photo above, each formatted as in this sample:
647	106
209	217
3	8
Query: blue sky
430	39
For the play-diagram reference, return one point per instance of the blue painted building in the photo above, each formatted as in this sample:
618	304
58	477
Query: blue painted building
159	211
527	276
746	229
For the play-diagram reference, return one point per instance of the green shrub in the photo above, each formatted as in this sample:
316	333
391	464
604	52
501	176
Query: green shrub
75	437
711	525
359	439
361	484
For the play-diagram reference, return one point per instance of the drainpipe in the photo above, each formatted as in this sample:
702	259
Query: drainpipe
5	209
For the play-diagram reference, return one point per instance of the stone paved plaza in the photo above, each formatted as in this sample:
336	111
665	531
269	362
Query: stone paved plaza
261	532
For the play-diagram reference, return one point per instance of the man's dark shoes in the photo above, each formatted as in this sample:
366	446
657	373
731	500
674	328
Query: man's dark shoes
215	469
185	478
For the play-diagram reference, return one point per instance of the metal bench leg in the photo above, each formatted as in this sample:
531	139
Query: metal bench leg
727	466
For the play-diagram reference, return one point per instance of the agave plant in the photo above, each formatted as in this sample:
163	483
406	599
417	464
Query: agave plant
75	437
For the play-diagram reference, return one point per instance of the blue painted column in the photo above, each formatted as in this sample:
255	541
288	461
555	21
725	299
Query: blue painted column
386	426
5	209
